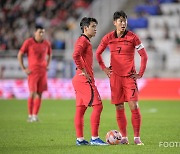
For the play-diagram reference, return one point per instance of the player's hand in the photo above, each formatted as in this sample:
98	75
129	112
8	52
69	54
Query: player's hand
108	71
84	73
27	71
135	76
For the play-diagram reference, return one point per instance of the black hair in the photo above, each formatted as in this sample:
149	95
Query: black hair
38	27
86	22
119	14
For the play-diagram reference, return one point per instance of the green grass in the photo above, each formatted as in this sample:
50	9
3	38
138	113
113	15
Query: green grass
55	132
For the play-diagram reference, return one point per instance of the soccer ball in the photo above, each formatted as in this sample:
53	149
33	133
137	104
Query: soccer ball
113	137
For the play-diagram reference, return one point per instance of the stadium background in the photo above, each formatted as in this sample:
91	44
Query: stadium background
157	22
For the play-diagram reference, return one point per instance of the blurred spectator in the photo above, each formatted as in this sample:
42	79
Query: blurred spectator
2	68
139	20
166	29
150	43
177	43
18	18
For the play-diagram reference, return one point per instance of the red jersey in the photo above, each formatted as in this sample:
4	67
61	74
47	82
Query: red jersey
122	51
83	55
36	52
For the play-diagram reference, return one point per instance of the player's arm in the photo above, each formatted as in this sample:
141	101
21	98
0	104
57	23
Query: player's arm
49	56
21	62
102	46
24	49
77	56
142	52
144	58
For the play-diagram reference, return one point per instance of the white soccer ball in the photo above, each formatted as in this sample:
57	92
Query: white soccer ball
113	137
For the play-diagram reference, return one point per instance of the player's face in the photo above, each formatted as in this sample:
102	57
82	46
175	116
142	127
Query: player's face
121	24
39	34
91	30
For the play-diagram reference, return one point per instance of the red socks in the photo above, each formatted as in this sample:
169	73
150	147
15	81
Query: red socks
37	104
136	121
33	106
30	106
122	122
95	119
79	120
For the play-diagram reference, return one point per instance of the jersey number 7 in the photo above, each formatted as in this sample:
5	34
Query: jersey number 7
119	49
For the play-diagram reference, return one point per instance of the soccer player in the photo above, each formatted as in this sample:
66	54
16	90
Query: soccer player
84	84
39	55
122	73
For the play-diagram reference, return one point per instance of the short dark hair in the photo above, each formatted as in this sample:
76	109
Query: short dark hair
119	14
38	27
86	22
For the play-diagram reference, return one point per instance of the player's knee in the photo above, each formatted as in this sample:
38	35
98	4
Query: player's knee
119	106
133	105
38	95
32	94
98	107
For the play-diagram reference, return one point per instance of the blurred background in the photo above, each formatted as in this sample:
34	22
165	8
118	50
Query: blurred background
156	22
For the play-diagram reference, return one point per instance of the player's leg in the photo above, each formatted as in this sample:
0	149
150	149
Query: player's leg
131	94
95	117
79	125
83	97
122	122
41	84
30	105
36	107
95	121
117	98
32	84
136	121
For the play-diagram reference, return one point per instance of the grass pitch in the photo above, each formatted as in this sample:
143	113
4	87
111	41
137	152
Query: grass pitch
55	132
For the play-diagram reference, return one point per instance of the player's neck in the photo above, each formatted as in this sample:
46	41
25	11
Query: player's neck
89	36
119	33
38	40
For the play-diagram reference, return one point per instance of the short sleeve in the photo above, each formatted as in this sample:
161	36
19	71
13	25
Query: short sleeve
49	48
24	47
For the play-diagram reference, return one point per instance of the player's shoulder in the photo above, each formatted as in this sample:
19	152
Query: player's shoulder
83	40
109	35
131	34
47	42
28	41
